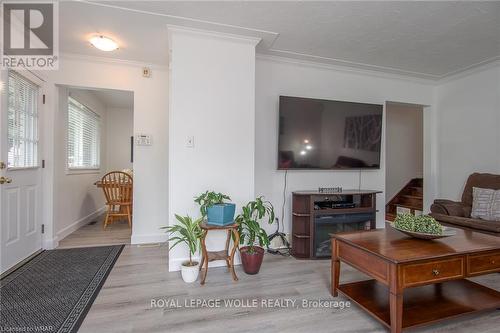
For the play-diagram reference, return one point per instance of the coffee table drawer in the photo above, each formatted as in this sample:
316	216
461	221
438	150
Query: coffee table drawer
433	271
483	263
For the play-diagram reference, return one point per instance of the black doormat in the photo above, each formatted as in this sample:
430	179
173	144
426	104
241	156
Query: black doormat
54	291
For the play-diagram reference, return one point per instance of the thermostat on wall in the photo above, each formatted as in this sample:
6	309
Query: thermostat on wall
143	140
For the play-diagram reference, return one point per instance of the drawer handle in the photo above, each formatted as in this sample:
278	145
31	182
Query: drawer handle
435	272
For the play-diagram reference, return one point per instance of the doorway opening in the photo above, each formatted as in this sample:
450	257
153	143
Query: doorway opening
404	181
96	138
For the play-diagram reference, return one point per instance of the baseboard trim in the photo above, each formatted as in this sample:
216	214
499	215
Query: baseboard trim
174	265
50	244
148	238
63	233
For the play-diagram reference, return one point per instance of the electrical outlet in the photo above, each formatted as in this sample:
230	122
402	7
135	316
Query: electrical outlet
146	72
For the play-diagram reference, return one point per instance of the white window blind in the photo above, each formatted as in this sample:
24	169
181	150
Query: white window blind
22	128
84	127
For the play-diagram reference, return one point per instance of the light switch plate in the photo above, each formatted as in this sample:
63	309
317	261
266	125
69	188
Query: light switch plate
190	142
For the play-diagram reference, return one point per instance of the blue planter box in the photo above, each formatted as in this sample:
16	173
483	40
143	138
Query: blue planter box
221	214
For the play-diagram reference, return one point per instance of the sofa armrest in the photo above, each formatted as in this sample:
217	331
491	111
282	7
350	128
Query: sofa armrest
448	207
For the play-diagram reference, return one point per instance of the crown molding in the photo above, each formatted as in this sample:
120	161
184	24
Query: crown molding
469	70
378	72
352	64
495	62
344	69
213	34
114	61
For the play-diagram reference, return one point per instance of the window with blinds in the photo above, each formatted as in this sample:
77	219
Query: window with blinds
22	128
84	130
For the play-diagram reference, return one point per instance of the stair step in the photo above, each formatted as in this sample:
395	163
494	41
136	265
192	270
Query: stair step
406	201
420	189
407	206
417	182
390	217
412	196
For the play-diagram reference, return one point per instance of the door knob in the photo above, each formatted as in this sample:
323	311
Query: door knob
5	180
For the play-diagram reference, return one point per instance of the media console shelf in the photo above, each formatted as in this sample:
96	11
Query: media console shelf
315	215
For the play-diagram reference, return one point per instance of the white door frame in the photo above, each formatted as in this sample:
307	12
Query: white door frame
50	238
430	139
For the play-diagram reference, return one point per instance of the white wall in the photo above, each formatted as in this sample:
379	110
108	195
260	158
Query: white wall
404	146
469	123
212	98
150	117
214	86
77	199
119	129
275	77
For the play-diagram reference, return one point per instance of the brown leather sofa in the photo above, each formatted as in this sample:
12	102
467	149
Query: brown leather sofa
457	213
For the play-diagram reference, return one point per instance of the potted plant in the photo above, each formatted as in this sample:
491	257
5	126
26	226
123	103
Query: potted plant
188	231
213	207
252	233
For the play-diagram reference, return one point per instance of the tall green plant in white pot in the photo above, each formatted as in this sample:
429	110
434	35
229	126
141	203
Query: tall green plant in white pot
188	232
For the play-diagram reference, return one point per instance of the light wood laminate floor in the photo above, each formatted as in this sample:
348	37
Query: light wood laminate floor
94	235
141	274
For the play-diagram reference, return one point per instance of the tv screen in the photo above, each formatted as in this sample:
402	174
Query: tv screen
324	134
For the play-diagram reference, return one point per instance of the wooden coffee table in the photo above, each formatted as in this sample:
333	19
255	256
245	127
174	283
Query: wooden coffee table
416	282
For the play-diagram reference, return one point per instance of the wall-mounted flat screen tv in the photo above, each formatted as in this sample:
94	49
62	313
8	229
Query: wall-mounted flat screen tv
325	134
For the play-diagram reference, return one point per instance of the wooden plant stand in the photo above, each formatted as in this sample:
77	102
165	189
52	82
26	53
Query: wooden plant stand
208	256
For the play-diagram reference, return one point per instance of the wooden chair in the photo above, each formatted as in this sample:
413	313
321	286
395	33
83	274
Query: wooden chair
117	187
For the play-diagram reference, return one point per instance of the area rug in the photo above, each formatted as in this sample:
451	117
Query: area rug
54	291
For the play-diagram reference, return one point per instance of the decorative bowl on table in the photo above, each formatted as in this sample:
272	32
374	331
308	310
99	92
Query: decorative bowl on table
422	227
447	232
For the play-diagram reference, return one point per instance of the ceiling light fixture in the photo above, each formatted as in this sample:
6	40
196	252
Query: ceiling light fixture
103	43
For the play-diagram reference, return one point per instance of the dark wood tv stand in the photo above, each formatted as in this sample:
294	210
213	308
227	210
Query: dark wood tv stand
306	211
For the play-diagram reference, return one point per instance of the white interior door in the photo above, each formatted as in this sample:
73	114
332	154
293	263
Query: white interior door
20	172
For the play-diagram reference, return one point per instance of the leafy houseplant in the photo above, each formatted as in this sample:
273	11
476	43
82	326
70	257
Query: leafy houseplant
187	231
252	233
215	209
424	224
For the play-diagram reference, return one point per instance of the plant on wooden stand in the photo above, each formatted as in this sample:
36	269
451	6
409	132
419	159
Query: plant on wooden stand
251	233
187	231
208	199
215	209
